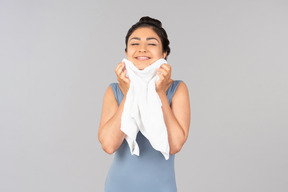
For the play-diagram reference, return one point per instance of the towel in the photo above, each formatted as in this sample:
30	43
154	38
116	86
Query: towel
142	109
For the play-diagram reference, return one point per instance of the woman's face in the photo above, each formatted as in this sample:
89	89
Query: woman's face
144	47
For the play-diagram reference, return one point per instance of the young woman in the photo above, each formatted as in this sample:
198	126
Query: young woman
146	42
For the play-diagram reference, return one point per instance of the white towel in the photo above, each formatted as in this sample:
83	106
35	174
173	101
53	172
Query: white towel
142	109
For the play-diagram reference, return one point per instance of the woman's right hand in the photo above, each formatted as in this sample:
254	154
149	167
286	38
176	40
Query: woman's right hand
124	82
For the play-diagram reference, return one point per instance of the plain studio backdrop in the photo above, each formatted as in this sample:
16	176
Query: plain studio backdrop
58	57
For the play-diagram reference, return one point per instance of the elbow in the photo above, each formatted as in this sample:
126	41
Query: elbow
175	149
177	145
108	149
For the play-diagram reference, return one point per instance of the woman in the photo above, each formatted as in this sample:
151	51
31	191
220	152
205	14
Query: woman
146	42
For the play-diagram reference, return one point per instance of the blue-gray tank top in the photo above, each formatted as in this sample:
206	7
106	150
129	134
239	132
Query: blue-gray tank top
148	172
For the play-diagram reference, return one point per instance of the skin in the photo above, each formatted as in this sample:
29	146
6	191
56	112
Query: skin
144	47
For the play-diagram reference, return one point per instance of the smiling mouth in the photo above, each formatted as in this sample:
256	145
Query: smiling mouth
143	58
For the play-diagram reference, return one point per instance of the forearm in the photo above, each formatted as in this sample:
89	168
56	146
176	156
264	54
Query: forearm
111	136
176	134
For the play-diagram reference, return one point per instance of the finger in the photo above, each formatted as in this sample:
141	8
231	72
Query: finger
119	66
163	71
166	67
120	69
161	76
124	69
123	77
123	73
127	78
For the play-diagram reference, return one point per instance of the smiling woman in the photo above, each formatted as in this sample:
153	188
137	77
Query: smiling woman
146	44
144	48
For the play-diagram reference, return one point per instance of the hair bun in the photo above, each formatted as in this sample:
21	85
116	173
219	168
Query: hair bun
150	21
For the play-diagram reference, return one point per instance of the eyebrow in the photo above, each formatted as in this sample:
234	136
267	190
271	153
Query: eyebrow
148	38
151	38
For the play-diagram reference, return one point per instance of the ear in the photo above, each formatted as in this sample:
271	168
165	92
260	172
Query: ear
126	51
164	54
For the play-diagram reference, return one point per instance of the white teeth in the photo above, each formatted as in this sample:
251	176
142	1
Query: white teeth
142	58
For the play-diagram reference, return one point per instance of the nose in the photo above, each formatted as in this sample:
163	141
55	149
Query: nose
142	48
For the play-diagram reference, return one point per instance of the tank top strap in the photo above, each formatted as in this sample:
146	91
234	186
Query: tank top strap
117	92
119	95
172	89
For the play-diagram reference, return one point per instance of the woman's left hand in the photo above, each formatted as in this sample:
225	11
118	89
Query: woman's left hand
164	73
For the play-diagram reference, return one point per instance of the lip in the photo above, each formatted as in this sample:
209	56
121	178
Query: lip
143	58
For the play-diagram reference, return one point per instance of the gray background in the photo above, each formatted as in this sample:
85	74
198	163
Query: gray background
58	57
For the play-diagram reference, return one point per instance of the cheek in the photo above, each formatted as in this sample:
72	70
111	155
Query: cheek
130	51
157	52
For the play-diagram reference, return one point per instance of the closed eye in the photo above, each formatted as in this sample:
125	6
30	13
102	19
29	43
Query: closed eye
134	43
152	44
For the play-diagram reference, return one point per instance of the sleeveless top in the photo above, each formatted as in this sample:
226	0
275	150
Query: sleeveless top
148	172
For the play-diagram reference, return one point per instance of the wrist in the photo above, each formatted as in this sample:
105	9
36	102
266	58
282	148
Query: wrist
161	93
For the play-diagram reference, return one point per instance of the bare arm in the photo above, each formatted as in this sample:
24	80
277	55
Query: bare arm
176	117
110	134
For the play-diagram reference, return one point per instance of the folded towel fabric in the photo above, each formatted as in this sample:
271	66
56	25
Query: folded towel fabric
142	109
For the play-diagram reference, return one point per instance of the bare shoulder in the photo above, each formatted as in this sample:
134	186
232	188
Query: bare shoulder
180	103
109	94
181	93
109	106
109	99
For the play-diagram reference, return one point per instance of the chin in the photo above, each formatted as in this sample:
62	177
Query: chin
142	64
141	67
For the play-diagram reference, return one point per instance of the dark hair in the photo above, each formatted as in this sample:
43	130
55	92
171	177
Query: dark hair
156	26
